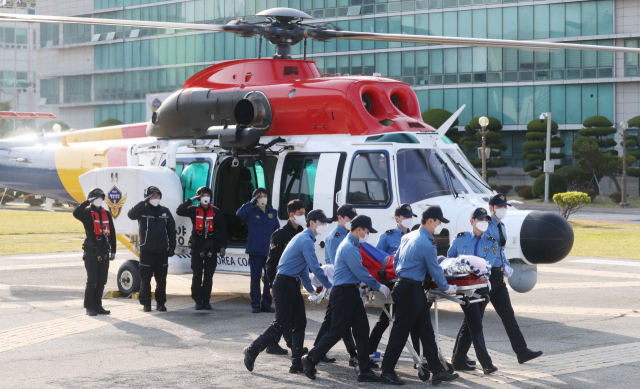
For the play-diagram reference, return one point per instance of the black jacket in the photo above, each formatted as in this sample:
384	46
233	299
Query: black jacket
279	241
219	236
84	215
157	228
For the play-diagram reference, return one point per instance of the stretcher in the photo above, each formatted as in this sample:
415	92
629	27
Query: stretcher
384	272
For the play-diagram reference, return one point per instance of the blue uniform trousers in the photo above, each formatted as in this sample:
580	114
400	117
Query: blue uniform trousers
347	338
502	303
381	326
257	264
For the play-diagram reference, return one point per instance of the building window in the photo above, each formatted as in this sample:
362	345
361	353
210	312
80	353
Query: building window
76	33
77	89
49	35
50	91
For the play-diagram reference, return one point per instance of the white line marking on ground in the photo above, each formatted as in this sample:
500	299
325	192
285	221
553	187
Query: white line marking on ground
607	262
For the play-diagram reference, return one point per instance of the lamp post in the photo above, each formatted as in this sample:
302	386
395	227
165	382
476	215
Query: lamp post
624	203
548	167
484	122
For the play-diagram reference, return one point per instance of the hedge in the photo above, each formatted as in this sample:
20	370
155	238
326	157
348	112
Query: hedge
436	117
570	202
111	122
526	192
557	184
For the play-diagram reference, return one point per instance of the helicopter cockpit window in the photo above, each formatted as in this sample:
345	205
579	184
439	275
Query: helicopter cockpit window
234	188
193	177
179	168
369	180
467	171
423	174
298	181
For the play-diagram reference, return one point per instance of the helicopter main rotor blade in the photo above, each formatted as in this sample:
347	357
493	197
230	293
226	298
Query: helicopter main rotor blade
235	28
323	34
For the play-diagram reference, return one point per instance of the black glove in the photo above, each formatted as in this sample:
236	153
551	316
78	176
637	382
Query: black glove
223	251
113	256
91	199
171	252
254	200
194	198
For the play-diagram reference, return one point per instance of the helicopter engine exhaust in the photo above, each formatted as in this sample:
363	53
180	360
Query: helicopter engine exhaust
254	111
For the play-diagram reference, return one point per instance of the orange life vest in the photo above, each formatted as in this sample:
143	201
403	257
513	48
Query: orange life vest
204	221
99	228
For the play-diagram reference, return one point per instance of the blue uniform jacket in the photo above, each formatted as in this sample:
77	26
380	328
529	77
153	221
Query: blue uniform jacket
467	243
261	225
332	242
418	255
495	234
348	268
299	257
390	240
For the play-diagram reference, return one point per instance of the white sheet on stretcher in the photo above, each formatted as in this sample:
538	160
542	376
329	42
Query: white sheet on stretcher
467	264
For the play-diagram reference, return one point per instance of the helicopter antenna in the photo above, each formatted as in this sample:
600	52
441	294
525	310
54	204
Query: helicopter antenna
446	125
305	49
260	48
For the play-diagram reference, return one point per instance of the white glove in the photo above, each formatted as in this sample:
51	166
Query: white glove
384	290
451	289
489	285
508	270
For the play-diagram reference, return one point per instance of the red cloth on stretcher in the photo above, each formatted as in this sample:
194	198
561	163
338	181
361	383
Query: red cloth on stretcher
467	280
373	259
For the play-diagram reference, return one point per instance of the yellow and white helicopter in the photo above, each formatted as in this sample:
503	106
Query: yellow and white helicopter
278	123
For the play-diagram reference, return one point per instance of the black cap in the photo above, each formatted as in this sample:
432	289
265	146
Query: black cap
480	213
202	190
347	210
96	192
433	212
150	191
363	222
404	210
500	200
318	215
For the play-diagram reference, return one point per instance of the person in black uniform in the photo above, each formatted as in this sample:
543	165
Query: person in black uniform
208	238
279	241
99	247
157	231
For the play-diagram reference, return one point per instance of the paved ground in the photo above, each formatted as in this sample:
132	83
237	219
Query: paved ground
583	313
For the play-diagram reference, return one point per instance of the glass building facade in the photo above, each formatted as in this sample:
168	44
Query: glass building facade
512	85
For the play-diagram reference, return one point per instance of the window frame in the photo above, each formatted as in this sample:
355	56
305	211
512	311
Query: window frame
390	184
282	207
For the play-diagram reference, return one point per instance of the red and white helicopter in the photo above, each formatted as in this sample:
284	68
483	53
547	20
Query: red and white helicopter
278	123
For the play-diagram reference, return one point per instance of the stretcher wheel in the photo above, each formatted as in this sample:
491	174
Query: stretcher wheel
486	298
425	376
450	368
465	302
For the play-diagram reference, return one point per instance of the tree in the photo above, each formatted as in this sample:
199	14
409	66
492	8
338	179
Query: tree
536	146
570	202
436	117
109	123
473	139
633	150
599	128
595	162
48	126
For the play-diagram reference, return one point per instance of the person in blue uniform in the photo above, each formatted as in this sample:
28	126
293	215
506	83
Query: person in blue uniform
262	221
416	258
499	294
347	309
297	259
389	243
481	244
346	213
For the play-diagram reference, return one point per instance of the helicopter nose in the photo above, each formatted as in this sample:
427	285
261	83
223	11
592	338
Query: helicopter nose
545	237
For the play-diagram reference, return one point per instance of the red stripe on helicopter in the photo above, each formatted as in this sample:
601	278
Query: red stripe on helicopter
134	131
117	156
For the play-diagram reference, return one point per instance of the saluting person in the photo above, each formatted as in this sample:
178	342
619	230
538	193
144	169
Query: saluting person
347	309
417	256
262	221
208	238
157	231
499	293
99	248
298	258
480	244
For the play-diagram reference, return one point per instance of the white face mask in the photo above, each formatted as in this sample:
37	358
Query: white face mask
321	229
262	201
438	229
205	200
299	220
407	223
154	202
365	239
97	202
482	226
500	213
347	226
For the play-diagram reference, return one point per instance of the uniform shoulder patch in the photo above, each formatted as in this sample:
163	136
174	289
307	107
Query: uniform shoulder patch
354	243
460	234
433	241
491	238
337	234
389	232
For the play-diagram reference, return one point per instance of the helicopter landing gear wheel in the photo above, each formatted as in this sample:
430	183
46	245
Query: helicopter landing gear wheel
128	278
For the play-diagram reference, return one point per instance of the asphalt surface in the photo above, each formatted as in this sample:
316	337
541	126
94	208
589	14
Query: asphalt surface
583	313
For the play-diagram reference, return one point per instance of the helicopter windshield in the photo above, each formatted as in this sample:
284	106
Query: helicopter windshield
462	165
422	174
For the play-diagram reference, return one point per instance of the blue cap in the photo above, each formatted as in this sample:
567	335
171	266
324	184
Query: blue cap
404	210
347	210
363	222
434	212
500	200
480	213
318	215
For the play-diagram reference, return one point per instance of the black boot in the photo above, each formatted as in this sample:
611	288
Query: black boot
249	359
326	359
275	349
147	307
207	306
161	307
368	376
308	367
91	311
489	369
199	306
296	367
391	379
528	355
101	311
443	376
